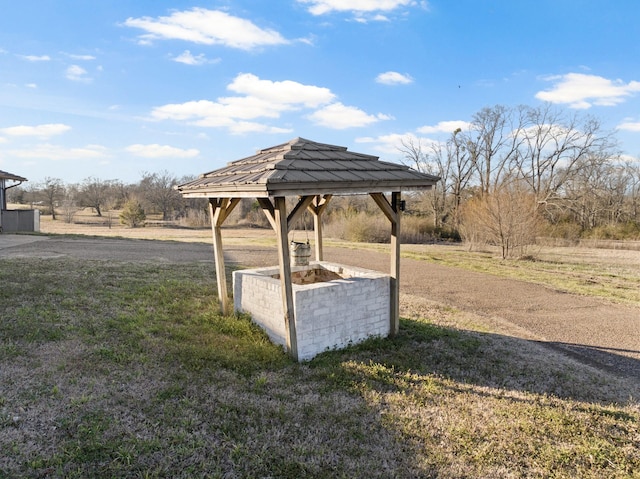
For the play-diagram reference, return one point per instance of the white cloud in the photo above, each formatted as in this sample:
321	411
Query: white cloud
282	92
188	58
241	127
340	117
36	58
31	85
161	151
582	91
260	99
444	127
207	27
56	152
43	131
629	126
81	57
392	143
394	78
77	73
359	7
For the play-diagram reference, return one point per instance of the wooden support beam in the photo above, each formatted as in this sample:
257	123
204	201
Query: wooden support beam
298	210
317	207
392	212
269	211
395	265
219	210
384	205
226	207
282	231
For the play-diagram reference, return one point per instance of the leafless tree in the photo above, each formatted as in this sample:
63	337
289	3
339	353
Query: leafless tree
434	162
633	193
505	217
554	148
97	194
52	192
158	190
493	143
461	170
69	203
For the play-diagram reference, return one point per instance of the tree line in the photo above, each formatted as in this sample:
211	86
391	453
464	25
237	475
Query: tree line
154	193
516	173
511	175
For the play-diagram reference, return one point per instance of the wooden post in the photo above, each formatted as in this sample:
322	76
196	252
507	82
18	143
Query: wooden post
219	210
395	264
282	232
392	212
317	207
317	231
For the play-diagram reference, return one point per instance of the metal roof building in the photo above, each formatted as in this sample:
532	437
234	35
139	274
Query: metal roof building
4	176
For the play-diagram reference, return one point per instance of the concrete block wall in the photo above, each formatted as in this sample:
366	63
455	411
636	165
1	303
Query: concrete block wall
12	221
330	314
257	293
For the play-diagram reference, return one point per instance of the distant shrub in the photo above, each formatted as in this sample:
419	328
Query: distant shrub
506	218
564	230
194	218
132	214
626	231
365	227
418	230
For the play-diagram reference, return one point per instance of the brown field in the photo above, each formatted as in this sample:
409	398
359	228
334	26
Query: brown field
85	222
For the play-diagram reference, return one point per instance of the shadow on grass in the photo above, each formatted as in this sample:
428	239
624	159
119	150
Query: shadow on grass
125	369
491	360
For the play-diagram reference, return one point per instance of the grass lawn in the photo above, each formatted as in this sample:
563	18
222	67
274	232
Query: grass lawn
113	369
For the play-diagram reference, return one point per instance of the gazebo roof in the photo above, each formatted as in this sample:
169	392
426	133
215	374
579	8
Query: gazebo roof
4	175
305	167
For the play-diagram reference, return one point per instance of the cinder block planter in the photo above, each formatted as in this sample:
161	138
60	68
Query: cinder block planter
334	305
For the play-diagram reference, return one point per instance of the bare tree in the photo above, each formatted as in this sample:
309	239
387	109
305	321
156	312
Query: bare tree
505	217
554	148
97	194
435	162
493	144
69	203
461	170
52	192
633	192
159	192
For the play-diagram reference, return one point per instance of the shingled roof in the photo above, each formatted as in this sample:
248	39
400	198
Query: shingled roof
305	167
4	175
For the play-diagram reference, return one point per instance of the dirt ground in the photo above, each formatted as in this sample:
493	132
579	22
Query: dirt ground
595	332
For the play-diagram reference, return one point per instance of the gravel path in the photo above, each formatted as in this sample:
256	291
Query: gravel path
596	332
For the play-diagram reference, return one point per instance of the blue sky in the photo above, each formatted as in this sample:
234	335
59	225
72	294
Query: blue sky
113	88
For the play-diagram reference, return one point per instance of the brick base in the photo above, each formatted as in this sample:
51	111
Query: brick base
329	314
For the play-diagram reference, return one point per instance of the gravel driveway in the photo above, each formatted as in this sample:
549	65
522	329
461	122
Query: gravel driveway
601	334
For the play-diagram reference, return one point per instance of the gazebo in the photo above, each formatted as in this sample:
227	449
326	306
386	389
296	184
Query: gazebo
313	172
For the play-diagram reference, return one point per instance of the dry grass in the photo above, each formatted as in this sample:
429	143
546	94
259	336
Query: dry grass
126	370
609	274
86	223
